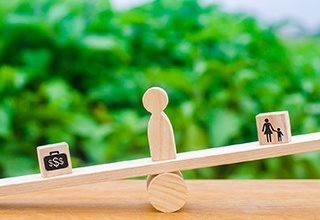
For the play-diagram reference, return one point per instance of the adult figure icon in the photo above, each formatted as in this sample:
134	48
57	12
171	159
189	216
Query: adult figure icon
267	129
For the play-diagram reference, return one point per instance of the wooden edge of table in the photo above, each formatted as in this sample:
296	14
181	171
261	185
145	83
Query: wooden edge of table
207	199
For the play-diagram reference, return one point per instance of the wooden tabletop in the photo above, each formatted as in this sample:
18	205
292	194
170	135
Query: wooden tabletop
208	199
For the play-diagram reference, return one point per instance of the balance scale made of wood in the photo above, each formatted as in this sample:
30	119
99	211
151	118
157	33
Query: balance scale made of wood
165	184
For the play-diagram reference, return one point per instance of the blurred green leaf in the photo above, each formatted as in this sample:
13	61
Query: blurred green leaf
99	42
224	125
5	120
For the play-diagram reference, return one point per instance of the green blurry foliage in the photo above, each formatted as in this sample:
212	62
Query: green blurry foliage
75	71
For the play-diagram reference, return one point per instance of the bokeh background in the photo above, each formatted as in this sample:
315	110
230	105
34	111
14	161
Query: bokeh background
76	71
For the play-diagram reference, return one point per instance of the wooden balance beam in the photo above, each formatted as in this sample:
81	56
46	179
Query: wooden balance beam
143	167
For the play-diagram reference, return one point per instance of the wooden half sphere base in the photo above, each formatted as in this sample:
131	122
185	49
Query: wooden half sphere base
167	192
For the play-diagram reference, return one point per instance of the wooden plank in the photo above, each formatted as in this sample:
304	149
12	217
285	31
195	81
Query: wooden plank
143	167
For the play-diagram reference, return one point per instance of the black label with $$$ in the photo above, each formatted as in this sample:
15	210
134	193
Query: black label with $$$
55	161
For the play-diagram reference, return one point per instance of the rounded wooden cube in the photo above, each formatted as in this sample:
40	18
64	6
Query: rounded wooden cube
54	159
273	128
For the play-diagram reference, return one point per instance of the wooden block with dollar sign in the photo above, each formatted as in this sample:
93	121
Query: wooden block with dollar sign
54	159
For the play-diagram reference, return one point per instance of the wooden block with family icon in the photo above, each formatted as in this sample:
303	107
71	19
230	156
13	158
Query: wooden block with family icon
273	128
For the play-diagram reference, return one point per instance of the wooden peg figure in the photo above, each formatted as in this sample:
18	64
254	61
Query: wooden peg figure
160	132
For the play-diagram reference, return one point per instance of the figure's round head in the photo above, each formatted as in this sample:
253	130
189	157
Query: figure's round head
278	129
266	120
155	100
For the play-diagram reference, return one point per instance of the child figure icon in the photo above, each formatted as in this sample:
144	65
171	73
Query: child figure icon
280	134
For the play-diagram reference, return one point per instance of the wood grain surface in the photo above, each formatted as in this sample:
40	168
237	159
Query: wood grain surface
210	199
